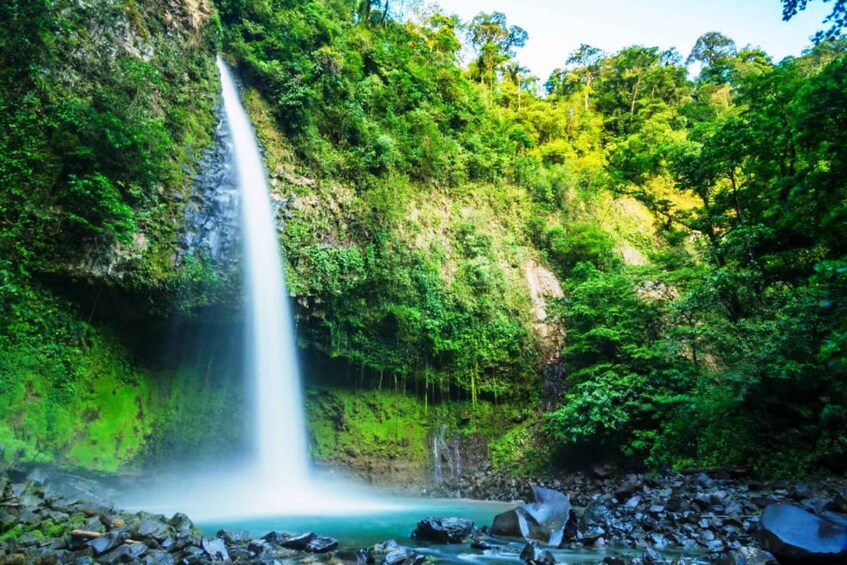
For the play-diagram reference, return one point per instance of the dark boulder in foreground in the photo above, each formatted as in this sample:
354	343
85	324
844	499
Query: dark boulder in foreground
534	556
310	542
109	541
543	520
322	544
443	530
298	542
794	535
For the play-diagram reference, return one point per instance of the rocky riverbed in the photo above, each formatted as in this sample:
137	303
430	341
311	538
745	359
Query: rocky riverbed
51	517
715	514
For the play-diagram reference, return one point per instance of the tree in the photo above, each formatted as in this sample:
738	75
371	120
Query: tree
636	84
519	76
581	69
366	13
715	52
495	43
837	18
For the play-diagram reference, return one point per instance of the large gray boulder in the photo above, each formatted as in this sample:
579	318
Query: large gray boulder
794	535
543	520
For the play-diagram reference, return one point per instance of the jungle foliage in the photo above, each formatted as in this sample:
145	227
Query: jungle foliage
719	344
698	225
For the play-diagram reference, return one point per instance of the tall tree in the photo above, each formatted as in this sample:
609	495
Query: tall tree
714	51
495	42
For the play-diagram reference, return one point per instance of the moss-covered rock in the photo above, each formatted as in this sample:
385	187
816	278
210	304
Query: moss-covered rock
396	437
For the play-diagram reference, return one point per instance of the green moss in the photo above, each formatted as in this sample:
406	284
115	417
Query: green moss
50	529
360	428
114	423
378	424
12	534
72	393
521	451
193	415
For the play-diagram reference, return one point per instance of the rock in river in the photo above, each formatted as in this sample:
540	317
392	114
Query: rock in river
543	520
309	542
794	535
443	530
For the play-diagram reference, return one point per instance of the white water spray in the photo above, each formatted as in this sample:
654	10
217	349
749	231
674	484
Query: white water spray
282	456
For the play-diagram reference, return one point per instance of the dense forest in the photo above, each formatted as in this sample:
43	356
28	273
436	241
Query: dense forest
689	230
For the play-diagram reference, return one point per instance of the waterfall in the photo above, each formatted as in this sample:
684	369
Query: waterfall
279	479
271	356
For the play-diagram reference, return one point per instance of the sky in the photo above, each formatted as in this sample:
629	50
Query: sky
557	27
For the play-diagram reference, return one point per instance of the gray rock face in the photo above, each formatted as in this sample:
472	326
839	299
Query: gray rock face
211	212
543	520
794	535
443	530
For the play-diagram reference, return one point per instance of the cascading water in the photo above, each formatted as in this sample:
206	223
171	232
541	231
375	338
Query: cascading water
271	355
277	479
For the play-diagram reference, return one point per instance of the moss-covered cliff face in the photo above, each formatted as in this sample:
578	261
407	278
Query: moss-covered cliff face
394	437
104	107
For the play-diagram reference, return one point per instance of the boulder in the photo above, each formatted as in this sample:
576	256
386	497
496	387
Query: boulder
443	530
193	554
125	553
181	523
235	536
651	557
299	542
596	514
216	549
158	557
396	557
259	549
108	541
543	520
627	489
275	538
321	544
153	528
834	517
794	535
532	554
403	557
